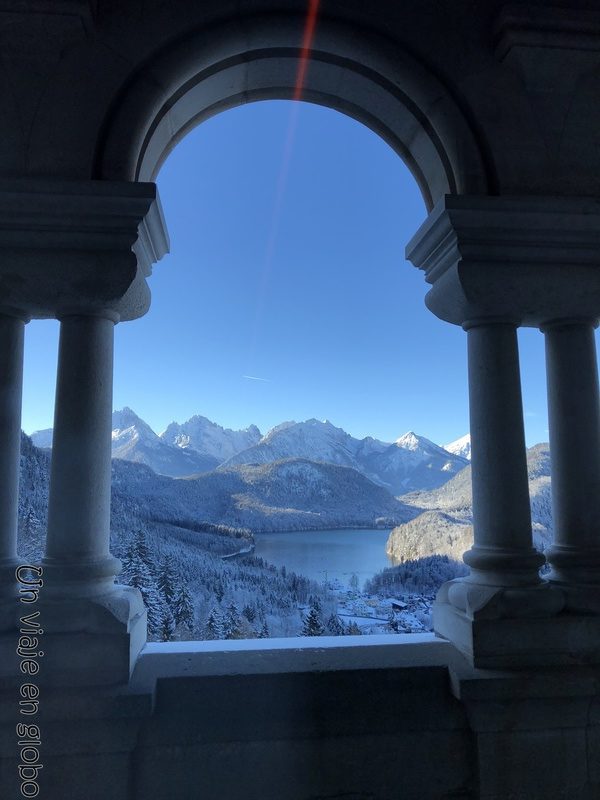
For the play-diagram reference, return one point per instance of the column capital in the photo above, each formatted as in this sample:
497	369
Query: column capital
568	322
82	247
527	259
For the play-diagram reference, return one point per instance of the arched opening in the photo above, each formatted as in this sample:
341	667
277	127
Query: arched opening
271	58
398	100
283	215
266	58
285	290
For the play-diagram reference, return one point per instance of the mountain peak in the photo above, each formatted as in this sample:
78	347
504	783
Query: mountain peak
204	437
460	447
126	418
128	427
409	440
278	428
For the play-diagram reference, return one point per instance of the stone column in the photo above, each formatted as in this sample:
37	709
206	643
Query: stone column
494	264
77	548
504	583
11	383
79	595
574	421
81	252
502	553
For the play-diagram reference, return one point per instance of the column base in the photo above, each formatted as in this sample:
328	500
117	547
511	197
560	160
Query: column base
483	600
520	642
580	598
79	578
86	641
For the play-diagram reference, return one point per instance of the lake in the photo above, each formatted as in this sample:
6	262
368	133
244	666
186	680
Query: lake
326	555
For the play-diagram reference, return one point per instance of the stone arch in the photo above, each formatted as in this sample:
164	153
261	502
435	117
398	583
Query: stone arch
366	77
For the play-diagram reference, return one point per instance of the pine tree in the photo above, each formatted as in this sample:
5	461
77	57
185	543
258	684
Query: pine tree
232	623
249	612
138	546
335	626
136	572
167	625
30	532
183	608
312	625
156	608
31	523
264	631
392	623
213	628
167	579
352	629
315	602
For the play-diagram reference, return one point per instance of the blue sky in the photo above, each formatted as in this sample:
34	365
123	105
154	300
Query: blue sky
287	264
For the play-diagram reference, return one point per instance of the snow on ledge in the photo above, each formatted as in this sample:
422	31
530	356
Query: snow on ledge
270	656
287	643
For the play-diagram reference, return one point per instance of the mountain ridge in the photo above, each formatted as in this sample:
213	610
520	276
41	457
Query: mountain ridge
199	445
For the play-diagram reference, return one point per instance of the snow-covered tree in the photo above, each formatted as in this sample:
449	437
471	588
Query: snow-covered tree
138	547
335	627
352	629
392	623
167	624
136	572
264	631
167	579
232	626
315	602
214	627
156	608
183	608
312	625
30	533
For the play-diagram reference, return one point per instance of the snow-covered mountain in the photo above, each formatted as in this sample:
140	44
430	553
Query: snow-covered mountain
196	446
295	494
313	439
134	440
199	445
42	438
444	525
409	463
460	447
210	439
413	462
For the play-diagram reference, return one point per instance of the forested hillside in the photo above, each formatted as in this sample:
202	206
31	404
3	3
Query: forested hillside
444	524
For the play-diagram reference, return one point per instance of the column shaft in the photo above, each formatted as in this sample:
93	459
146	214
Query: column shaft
502	553
77	548
11	384
574	421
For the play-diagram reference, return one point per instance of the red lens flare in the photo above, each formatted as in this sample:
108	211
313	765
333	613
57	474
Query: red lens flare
307	40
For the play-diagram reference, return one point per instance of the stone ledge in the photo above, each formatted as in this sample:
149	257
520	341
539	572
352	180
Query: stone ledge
270	656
